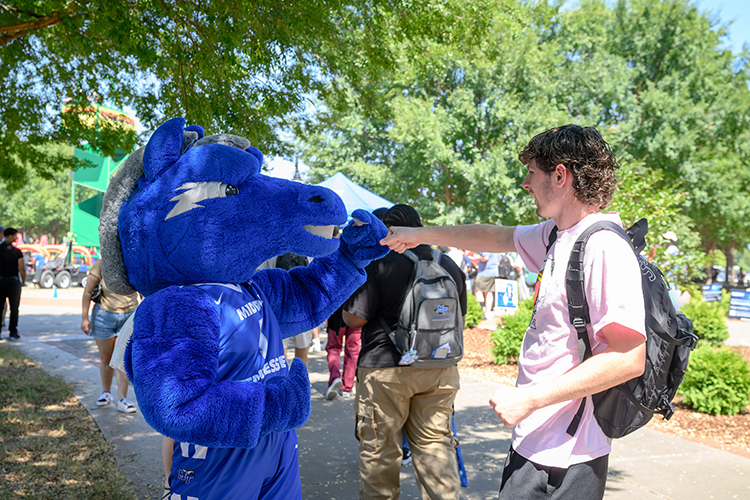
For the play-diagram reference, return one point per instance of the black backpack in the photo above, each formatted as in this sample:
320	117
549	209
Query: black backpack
290	260
504	267
627	407
430	327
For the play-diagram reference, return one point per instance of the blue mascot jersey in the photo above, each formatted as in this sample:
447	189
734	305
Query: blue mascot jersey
247	326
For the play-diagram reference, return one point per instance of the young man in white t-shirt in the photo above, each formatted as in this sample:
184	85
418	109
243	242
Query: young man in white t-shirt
571	177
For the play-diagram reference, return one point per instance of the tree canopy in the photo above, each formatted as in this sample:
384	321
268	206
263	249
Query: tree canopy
243	67
43	206
652	76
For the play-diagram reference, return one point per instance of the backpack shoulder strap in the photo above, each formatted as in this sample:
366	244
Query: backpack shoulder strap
552	238
637	234
436	255
578	307
410	285
411	256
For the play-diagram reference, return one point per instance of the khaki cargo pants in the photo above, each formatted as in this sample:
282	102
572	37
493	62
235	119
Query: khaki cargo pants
419	401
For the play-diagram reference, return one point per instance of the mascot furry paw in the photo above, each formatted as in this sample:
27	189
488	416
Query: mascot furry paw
186	221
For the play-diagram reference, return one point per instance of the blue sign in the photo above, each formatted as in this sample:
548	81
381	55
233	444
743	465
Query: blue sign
506	294
739	303
712	293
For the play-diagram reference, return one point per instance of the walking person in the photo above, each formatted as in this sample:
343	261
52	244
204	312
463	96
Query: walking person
393	400
12	278
107	319
341	336
571	177
484	283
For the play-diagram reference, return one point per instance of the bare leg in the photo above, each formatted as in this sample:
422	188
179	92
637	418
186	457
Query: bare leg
166	460
301	353
105	356
488	304
122	384
166	455
315	346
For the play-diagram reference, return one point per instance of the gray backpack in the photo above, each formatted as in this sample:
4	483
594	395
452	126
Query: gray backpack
430	328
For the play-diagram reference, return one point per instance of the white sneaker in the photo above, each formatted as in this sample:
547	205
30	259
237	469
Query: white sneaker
104	399
332	391
125	406
166	491
315	347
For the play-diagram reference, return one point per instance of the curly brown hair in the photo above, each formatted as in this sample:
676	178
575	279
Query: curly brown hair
584	153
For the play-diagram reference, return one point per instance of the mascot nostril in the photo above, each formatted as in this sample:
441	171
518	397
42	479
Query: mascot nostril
186	223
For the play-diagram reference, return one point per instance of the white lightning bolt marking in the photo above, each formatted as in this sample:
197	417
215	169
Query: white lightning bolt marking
196	192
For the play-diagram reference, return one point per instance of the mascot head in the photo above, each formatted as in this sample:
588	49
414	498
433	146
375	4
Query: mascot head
191	209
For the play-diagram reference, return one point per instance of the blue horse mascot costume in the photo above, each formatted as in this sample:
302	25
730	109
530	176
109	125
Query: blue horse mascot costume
185	222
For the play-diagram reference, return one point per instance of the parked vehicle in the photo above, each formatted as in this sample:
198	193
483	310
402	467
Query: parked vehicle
62	269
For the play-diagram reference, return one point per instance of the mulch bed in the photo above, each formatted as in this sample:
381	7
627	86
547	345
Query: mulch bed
725	432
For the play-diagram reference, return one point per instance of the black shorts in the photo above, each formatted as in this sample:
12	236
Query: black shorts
525	480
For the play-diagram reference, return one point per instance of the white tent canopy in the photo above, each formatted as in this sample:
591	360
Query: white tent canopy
354	195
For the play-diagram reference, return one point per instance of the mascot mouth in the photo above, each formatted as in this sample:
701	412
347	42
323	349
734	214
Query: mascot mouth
322	231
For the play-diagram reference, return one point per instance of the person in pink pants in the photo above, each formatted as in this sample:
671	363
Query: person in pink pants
341	335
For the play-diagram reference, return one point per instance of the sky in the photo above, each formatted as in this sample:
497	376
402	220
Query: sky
739	10
726	10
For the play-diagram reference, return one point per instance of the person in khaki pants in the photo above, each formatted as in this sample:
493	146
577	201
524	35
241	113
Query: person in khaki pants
393	399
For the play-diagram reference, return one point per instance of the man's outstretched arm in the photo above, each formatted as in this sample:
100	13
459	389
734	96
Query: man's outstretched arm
476	237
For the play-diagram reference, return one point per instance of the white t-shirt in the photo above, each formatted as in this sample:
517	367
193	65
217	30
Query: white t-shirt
612	281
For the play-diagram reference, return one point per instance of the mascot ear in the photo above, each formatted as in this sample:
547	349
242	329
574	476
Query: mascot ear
164	147
191	135
256	153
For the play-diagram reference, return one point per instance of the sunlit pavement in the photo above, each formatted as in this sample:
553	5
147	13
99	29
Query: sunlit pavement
647	464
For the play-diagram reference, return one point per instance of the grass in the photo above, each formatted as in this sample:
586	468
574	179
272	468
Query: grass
50	447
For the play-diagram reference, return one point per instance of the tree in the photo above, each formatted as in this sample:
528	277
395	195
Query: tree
243	67
642	193
43	205
692	118
651	76
445	132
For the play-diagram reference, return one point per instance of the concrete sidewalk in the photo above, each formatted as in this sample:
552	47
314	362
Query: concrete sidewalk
645	465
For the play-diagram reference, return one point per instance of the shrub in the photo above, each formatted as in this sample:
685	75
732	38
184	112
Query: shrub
717	381
709	320
508	337
474	313
725	297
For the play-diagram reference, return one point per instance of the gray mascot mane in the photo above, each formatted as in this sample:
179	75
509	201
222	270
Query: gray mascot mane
120	187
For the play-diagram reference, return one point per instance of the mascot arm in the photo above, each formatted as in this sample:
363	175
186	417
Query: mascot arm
172	360
305	297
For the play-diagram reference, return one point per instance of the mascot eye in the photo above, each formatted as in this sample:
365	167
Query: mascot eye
230	190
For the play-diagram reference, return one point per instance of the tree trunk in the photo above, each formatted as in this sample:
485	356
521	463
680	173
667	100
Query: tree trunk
709	247
729	253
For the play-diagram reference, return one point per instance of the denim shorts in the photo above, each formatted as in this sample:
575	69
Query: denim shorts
105	324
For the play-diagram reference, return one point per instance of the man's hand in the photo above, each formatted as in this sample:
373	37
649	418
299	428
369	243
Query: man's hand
512	404
623	359
399	238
